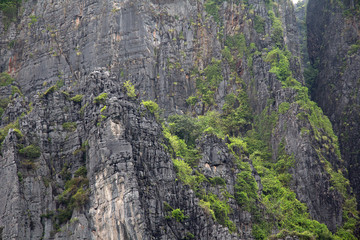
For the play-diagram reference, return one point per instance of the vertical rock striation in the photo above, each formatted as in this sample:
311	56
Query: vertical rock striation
83	158
333	42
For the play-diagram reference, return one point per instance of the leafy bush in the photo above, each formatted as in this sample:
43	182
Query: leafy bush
208	83
184	127
30	151
5	79
4	102
4	131
178	215
207	207
213	73
217	181
279	64
75	195
187	152
9	9
152	106
237	42
48	91
284	107
226	53
237	115
192	100
212	8
3	105
101	98
184	172
354	48
259	24
246	189
130	89
81	172
78	98
69	126
103	109
277	33
221	210
15	89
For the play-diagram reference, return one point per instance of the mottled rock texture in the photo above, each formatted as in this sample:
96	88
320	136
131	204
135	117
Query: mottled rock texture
333	43
60	49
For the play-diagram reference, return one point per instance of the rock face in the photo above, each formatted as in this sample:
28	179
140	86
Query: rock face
82	158
333	41
130	175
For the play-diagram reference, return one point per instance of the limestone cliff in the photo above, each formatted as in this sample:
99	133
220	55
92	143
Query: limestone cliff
334	43
238	150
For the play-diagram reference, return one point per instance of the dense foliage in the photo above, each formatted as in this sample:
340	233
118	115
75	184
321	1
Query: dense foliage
10	10
249	140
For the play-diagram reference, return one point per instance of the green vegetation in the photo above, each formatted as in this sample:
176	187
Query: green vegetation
277	35
20	177
354	48
246	188
236	116
212	7
33	19
178	215
4	102
284	107
259	24
153	107
278	202
103	109
237	42
217	181
219	209
49	91
192	100
280	65
15	89
101	98
326	143
75	195
81	150
30	152
82	109
182	139
81	172
130	89
10	10
60	83
5	79
207	84
4	131
77	99
69	126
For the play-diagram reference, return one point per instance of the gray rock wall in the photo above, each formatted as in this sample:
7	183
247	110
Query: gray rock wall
91	47
333	45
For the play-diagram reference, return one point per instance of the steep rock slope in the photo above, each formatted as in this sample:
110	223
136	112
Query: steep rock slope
82	158
334	44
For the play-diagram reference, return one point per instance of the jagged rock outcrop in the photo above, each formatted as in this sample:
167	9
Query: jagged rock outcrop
333	42
130	175
83	158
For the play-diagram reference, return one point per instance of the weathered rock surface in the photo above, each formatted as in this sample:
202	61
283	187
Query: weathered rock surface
92	47
130	174
333	42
